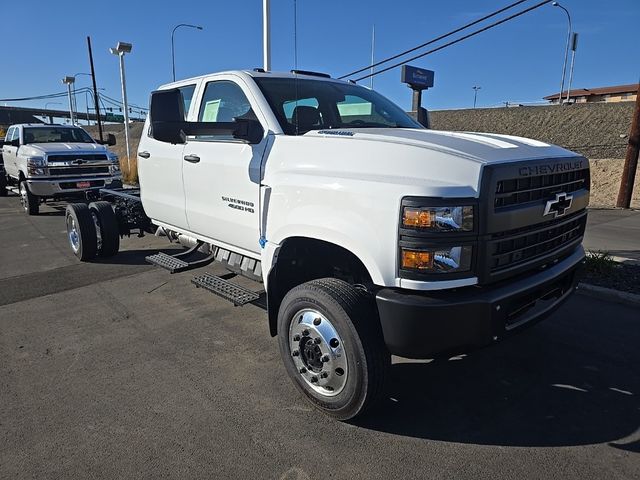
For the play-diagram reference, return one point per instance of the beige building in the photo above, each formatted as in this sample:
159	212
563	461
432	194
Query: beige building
618	93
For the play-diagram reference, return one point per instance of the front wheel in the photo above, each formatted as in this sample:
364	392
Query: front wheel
332	347
30	202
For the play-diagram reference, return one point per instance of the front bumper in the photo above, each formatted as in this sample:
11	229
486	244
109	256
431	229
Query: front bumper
425	325
52	187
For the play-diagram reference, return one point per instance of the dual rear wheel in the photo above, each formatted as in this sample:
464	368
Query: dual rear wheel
92	230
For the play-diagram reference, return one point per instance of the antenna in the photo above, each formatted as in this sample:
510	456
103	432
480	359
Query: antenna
266	34
373	47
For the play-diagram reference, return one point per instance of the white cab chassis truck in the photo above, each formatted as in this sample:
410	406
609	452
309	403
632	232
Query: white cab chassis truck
371	235
46	161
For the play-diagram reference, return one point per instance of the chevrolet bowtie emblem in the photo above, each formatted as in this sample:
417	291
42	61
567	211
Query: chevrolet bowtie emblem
559	205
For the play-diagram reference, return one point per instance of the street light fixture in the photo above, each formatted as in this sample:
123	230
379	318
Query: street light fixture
173	57
120	50
68	81
475	94
566	50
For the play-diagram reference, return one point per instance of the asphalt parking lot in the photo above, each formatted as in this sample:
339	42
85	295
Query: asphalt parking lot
120	370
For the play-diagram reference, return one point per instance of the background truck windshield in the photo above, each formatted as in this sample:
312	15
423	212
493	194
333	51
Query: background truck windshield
302	105
56	134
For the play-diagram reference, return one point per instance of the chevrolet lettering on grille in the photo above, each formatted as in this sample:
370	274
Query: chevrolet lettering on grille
559	205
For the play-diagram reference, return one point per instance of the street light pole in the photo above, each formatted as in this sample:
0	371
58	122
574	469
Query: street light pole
173	56
566	50
475	94
120	50
75	100
574	46
50	116
68	81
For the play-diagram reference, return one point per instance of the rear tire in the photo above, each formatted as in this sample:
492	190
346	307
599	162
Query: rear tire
81	231
107	230
332	346
30	202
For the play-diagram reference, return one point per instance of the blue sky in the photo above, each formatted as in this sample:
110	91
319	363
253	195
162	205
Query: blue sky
520	61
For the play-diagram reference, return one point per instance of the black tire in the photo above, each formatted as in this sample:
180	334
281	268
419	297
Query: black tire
80	222
353	316
108	236
3	184
30	202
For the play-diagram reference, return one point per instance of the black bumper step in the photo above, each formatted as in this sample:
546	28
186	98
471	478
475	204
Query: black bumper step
162	260
227	290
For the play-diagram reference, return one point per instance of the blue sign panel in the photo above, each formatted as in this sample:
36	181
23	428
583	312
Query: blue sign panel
417	77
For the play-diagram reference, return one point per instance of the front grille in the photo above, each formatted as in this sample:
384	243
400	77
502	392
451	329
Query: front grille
511	248
70	157
70	171
518	191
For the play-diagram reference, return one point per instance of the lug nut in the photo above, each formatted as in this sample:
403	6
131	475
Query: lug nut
295	353
317	321
325	358
296	338
303	370
329	388
305	333
324	375
314	379
317	340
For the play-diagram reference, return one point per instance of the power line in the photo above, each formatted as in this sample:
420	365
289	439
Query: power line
458	40
441	37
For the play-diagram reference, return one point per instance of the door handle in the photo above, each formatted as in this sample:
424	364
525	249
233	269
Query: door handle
192	158
144	154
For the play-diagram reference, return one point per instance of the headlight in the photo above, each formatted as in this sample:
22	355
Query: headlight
35	162
438	219
437	259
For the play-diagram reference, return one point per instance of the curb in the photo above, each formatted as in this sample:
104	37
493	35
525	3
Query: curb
609	294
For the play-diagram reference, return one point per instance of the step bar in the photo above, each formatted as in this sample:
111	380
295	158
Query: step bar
179	262
229	291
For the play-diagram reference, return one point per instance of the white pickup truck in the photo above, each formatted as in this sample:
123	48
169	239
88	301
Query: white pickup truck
371	235
55	161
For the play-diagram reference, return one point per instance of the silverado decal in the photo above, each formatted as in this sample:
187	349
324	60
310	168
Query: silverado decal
237	204
550	168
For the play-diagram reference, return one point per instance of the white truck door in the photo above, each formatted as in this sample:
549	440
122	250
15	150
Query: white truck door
160	172
9	152
222	174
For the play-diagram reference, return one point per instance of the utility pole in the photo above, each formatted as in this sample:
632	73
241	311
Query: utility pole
574	46
475	95
266	35
631	159
95	91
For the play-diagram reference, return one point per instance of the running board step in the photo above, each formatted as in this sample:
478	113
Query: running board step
175	263
162	260
227	290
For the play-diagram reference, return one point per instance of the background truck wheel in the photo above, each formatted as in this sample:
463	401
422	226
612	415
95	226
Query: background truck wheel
332	347
106	227
81	231
3	185
29	201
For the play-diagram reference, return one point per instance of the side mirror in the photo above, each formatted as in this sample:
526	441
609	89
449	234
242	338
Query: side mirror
249	130
167	116
111	139
15	142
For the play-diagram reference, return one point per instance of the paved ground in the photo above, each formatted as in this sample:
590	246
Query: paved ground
614	231
121	370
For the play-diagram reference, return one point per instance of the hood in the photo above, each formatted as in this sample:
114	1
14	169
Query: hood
62	148
480	147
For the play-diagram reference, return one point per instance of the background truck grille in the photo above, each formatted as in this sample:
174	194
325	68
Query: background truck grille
81	170
518	191
76	156
513	247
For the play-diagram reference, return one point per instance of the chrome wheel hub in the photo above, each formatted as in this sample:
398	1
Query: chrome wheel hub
23	195
72	232
318	352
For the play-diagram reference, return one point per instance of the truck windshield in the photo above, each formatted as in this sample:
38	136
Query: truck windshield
56	134
301	105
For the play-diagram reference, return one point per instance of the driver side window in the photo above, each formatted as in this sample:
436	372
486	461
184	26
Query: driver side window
223	101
